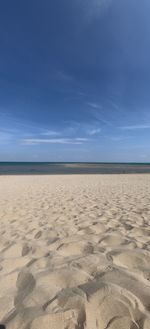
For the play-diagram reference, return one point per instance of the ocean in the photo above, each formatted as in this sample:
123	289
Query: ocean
53	168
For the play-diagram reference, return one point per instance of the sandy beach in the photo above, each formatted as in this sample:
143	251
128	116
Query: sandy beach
75	252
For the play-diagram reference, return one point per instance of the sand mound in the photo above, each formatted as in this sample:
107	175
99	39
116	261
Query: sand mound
75	248
146	324
68	319
108	305
112	239
91	264
63	278
14	250
132	259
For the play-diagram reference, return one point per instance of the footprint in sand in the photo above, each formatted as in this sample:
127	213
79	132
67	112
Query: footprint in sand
38	235
25	285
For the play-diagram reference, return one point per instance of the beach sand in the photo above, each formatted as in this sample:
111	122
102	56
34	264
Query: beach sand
75	252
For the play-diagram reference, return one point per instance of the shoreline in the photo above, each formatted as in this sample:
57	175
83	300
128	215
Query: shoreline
72	168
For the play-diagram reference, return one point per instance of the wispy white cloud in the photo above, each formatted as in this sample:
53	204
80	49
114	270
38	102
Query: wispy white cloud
117	138
94	105
63	76
35	141
94	8
94	131
100	117
81	139
5	137
51	133
83	128
134	127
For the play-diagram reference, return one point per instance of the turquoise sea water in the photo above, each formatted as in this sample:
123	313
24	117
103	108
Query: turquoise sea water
52	168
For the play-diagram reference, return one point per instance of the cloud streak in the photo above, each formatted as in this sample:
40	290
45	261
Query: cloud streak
51	133
5	137
135	127
95	8
99	117
94	131
36	141
94	105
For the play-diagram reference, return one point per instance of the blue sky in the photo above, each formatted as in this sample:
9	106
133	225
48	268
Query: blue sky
75	80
